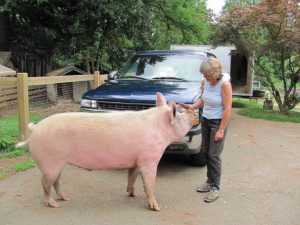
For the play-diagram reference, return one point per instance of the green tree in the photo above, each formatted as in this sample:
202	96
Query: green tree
271	30
104	33
233	3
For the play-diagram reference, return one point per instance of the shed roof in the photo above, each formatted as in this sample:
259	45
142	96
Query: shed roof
72	70
5	71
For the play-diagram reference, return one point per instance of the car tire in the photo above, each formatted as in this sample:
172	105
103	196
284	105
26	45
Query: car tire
198	159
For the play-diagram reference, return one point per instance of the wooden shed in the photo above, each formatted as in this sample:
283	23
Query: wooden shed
6	72
72	91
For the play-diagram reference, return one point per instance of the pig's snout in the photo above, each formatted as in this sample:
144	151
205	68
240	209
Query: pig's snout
191	111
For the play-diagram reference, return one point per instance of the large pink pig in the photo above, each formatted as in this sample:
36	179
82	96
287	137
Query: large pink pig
134	140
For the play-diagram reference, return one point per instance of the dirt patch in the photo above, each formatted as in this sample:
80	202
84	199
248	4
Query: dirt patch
7	165
63	105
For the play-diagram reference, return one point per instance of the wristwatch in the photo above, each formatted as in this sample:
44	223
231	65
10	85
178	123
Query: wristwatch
222	131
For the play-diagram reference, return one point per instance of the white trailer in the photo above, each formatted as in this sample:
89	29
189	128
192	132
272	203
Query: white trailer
237	65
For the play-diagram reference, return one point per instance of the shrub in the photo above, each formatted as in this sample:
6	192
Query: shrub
5	145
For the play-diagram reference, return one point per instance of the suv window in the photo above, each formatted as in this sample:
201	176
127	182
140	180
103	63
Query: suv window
184	66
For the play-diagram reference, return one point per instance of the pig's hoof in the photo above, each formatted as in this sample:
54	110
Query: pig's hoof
51	203
64	198
154	207
133	194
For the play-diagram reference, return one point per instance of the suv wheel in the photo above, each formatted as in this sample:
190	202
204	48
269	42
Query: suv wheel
197	159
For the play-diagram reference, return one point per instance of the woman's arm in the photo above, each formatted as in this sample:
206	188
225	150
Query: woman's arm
227	104
199	103
194	106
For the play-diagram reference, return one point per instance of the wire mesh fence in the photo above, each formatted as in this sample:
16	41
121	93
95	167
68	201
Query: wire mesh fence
8	100
57	98
44	99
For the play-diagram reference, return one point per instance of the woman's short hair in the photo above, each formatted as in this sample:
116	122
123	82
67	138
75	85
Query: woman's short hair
212	68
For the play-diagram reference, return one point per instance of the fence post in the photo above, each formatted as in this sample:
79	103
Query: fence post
97	80
23	105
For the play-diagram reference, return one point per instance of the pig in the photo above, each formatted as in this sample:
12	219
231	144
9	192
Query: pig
119	140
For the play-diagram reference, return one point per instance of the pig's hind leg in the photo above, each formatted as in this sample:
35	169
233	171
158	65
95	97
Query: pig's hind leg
58	191
132	175
47	182
51	177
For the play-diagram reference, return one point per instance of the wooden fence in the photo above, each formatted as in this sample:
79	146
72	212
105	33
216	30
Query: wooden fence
22	84
9	95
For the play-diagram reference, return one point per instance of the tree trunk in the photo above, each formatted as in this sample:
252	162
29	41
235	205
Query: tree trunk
283	108
88	68
283	111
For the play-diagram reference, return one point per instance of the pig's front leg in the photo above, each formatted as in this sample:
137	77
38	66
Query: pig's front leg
132	175
149	176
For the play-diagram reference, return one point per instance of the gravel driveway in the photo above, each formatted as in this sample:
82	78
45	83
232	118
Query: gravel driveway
260	185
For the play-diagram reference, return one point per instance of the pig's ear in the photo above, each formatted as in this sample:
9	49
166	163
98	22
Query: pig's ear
160	99
172	112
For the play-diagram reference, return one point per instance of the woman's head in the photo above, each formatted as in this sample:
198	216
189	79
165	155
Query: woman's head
211	69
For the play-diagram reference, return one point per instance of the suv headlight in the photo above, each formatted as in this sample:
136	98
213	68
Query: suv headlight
88	103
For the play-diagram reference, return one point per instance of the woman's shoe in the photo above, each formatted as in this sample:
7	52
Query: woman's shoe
203	188
212	196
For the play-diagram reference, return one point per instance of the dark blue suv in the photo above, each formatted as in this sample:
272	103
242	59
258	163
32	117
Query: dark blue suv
173	73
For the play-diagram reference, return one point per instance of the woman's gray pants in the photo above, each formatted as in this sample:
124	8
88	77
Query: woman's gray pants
212	151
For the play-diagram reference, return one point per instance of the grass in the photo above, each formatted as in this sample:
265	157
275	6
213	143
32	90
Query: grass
13	162
255	109
3	173
244	103
24	165
9	135
14	153
9	127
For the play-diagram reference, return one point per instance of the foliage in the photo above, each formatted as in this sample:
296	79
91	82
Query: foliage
271	30
255	110
233	3
24	165
14	153
4	144
102	34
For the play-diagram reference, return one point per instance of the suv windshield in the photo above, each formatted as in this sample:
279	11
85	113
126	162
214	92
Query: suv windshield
180	67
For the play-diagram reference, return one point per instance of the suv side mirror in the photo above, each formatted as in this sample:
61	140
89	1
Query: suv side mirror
112	75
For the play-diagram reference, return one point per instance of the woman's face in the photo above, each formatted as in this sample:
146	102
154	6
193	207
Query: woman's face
210	79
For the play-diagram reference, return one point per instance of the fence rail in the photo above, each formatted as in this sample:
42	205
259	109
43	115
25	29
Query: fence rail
8	81
9	95
22	88
59	79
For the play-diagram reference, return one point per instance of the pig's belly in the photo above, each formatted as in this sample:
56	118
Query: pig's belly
94	160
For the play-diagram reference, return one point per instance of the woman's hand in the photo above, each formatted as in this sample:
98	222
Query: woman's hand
219	135
185	106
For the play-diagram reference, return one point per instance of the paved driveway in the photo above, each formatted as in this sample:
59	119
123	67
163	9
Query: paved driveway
260	185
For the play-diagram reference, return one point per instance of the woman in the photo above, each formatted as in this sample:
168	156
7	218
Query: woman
216	100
